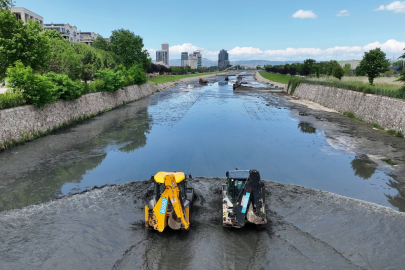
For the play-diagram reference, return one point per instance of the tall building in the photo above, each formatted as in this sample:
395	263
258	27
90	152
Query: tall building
184	59
195	59
162	56
223	59
165	47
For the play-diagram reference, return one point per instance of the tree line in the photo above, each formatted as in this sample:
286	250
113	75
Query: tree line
373	64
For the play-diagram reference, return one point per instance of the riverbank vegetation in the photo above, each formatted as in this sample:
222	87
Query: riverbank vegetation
44	67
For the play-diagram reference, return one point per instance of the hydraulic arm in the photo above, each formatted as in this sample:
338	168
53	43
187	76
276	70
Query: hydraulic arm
250	202
178	217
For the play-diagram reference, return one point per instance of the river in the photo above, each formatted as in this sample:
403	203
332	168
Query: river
203	130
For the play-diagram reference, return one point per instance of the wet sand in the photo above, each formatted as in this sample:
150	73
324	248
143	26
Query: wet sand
103	229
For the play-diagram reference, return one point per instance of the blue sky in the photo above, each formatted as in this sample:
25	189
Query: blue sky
254	29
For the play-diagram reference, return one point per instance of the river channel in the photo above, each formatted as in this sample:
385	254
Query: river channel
203	130
74	199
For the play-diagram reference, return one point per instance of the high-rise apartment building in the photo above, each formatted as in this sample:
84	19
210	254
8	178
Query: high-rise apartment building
196	59
184	59
165	47
223	59
162	56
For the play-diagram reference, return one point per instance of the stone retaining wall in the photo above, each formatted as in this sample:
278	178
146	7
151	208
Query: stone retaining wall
19	122
387	112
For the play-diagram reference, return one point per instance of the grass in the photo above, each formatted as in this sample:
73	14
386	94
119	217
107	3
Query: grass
351	115
387	83
10	100
172	78
377	126
389	161
276	77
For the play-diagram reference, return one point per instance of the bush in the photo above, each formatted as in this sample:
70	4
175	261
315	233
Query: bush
134	75
66	88
294	83
36	89
338	72
112	81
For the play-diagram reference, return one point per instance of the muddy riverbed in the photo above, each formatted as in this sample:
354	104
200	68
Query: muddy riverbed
103	229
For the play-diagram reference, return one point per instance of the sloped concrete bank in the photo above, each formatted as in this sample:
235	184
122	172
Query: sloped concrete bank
260	79
387	112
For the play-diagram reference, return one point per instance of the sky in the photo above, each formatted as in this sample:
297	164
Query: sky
248	30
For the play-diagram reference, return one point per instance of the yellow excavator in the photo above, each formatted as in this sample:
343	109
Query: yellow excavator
171	202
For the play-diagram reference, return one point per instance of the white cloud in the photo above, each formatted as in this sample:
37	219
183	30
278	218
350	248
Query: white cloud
391	46
343	13
397	7
304	14
245	51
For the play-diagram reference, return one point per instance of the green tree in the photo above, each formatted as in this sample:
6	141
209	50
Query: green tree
22	42
338	72
53	34
348	70
102	44
309	66
128	48
6	3
317	71
374	62
64	59
359	71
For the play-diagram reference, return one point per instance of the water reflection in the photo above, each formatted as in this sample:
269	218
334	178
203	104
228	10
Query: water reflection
399	199
363	166
306	128
47	183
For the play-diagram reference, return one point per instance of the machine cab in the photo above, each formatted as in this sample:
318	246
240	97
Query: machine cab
235	182
159	186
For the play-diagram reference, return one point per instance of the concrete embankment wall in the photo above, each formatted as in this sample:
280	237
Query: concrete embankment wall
387	112
21	122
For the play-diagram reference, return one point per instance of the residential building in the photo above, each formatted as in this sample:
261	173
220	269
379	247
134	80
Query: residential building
195	59
223	59
162	56
353	63
71	33
25	15
165	47
184	59
88	37
66	30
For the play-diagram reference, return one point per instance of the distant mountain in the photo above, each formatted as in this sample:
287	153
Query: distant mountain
251	63
247	63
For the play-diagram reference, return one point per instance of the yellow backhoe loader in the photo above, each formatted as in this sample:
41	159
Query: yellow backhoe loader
171	202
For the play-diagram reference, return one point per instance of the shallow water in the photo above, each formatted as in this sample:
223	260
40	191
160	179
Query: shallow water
202	130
